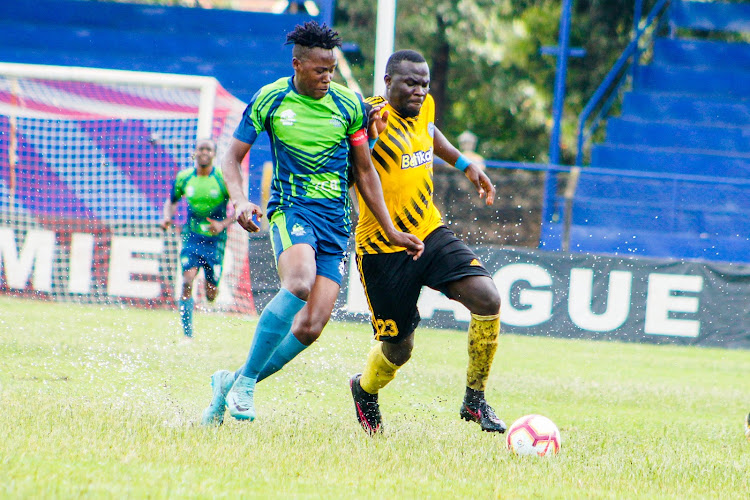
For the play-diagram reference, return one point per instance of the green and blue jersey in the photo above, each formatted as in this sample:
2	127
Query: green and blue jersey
206	196
309	145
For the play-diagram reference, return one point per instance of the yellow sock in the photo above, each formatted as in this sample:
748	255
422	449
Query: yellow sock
483	333
378	370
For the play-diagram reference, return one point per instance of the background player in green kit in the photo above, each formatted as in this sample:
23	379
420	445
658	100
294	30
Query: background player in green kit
313	124
204	236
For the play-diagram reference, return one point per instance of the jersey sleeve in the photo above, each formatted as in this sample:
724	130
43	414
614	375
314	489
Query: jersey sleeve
178	187
251	123
359	117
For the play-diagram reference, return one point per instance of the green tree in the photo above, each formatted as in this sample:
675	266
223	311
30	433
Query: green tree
487	71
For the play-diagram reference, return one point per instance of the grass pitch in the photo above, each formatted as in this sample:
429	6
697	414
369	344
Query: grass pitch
103	402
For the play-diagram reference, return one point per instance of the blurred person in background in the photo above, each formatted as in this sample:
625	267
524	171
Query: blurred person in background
204	236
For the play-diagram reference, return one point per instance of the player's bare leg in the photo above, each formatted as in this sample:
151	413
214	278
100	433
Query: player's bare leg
480	296
211	291
186	304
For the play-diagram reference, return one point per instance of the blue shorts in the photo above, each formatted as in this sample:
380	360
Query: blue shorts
291	227
205	252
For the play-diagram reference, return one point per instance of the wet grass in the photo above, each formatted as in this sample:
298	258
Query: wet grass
103	402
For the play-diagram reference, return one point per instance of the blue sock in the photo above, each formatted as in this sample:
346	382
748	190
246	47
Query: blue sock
186	315
287	351
275	321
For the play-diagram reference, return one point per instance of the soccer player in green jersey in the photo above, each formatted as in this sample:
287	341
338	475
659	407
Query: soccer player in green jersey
315	127
204	236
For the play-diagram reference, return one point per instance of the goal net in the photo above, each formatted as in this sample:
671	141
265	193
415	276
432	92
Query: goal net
87	159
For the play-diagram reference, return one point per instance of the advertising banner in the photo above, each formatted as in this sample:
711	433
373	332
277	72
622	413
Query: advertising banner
125	264
597	297
542	293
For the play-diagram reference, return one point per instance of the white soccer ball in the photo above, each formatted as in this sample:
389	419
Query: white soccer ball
534	435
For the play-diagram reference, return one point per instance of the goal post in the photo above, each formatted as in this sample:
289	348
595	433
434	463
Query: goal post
206	85
87	158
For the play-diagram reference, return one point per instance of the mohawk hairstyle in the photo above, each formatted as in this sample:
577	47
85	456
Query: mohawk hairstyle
312	34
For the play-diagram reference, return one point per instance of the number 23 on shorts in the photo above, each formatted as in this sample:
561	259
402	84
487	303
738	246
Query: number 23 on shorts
385	328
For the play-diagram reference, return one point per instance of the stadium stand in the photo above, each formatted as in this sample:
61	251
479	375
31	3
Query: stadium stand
679	152
243	50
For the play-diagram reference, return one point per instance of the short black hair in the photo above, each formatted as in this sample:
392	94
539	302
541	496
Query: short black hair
402	55
312	34
205	139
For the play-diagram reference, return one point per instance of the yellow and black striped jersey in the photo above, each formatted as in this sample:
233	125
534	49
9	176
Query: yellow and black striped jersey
403	157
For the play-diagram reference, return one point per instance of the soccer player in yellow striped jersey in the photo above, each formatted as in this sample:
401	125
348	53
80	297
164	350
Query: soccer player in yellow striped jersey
404	142
403	156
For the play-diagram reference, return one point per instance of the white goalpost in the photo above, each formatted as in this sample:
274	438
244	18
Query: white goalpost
205	85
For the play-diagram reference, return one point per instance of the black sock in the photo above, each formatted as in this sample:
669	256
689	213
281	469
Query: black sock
473	397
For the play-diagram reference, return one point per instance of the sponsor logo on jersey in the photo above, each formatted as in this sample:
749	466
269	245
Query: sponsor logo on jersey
214	193
298	230
416	159
336	120
288	117
190	191
431	129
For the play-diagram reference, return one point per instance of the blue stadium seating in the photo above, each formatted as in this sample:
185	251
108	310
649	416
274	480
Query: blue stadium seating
658	244
687	108
700	53
720	82
149	18
243	50
710	16
122	43
673	160
679	134
682	145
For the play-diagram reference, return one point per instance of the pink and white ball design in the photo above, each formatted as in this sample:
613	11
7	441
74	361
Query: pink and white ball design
534	435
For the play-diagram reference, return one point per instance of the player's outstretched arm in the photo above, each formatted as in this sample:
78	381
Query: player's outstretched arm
448	152
368	184
244	209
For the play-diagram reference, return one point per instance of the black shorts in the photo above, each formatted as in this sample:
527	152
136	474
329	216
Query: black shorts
393	281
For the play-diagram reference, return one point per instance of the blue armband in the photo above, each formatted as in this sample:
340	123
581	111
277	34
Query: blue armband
372	142
462	163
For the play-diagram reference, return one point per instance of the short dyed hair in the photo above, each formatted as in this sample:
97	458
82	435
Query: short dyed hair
312	34
402	55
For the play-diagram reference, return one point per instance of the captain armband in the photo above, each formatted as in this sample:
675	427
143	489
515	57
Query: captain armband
358	137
